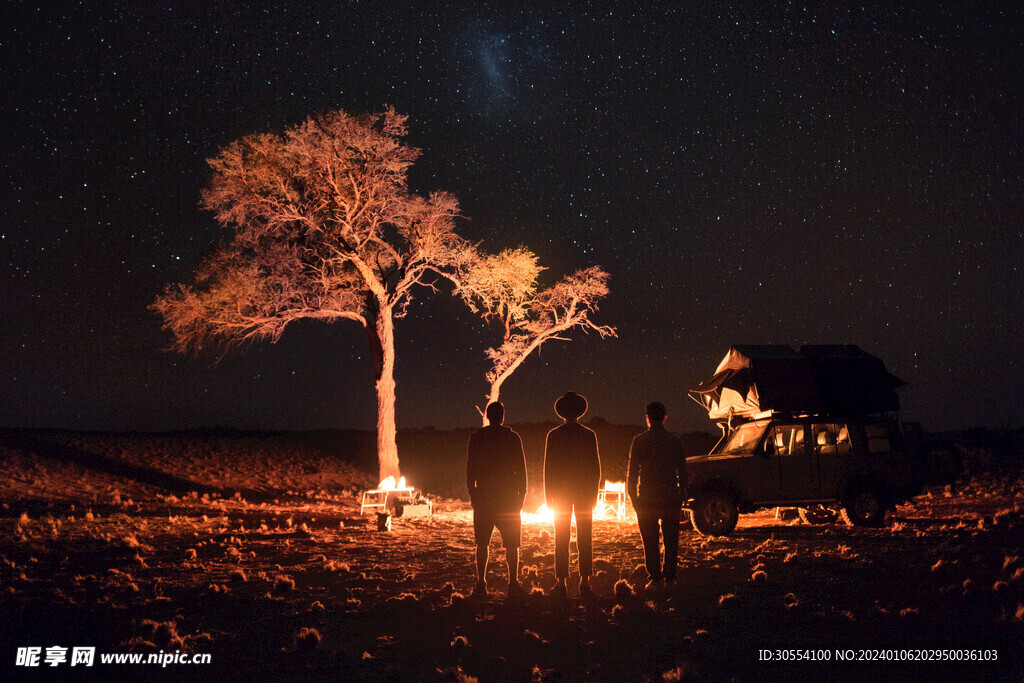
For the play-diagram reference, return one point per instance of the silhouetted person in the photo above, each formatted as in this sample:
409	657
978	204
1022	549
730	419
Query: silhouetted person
572	476
496	479
656	481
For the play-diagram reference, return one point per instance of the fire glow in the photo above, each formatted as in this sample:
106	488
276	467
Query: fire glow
389	484
611	505
543	515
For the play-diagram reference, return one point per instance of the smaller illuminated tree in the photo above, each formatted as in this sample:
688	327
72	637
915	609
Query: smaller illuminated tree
503	288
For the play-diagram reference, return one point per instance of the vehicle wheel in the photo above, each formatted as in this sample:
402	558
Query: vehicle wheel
864	507
818	514
714	514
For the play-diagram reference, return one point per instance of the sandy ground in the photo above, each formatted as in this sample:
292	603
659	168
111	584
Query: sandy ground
252	550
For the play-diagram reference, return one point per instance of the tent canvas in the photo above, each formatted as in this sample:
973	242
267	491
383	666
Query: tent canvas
834	379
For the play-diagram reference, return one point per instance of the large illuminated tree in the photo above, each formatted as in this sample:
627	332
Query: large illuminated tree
322	225
503	288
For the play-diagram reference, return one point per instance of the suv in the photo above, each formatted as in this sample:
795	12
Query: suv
810	462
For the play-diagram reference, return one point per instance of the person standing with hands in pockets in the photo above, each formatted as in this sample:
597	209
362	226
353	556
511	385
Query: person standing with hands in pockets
656	482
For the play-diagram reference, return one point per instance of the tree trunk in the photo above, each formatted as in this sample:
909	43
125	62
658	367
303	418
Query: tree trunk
492	397
387	446
500	379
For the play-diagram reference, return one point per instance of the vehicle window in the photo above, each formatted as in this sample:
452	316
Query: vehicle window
878	438
788	439
831	438
744	439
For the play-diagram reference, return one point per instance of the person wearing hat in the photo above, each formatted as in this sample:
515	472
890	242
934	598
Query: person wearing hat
496	479
572	477
656	482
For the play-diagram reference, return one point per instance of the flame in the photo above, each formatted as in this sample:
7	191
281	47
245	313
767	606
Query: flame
390	485
614	485
543	515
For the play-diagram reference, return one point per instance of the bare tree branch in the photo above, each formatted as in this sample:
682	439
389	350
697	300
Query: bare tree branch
503	287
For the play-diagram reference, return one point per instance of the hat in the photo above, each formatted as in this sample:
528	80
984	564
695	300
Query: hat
570	406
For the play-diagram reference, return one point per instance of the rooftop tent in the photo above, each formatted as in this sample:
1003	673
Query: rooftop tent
837	379
851	381
754	378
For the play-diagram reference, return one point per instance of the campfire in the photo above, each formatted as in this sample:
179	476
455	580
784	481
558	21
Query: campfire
396	498
543	515
389	484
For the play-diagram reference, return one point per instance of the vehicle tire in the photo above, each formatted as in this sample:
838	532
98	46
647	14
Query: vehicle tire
818	514
864	507
714	514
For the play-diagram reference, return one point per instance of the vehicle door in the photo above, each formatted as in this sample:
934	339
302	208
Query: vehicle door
755	467
761	477
831	444
798	467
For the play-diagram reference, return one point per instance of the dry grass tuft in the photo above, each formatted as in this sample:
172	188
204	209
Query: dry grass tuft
623	592
307	639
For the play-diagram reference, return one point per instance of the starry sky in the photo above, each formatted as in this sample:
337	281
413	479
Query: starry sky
747	172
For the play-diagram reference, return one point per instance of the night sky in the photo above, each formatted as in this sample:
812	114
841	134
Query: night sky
747	173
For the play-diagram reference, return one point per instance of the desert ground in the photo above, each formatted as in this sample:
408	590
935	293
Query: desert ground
250	548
